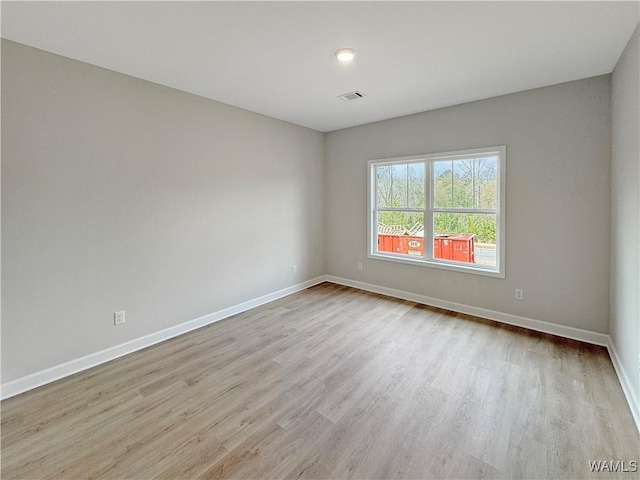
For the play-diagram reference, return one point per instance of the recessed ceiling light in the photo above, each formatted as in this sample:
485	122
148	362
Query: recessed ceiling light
345	54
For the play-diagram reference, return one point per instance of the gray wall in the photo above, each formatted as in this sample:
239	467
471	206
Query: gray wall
121	194
625	210
557	214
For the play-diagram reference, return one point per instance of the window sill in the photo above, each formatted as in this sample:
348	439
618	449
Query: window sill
439	264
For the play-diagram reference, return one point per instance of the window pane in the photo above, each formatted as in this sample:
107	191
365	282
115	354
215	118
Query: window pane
487	182
399	188
466	183
383	186
401	233
442	184
463	177
400	185
416	185
468	238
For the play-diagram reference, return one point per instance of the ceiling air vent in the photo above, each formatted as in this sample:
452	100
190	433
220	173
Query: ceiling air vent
347	97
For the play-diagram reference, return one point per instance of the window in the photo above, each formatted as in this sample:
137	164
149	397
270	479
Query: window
456	199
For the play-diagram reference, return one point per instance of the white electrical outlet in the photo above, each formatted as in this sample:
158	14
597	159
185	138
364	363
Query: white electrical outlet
118	318
359	266
519	294
294	269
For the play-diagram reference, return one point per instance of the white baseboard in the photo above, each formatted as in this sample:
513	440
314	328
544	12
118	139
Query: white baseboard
57	372
632	398
530	323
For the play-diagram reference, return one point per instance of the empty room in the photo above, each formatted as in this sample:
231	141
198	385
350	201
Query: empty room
321	240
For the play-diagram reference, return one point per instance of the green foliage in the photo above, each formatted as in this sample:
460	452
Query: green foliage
469	183
484	226
404	219
401	185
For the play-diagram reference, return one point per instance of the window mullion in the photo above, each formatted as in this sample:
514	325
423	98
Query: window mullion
401	209
428	214
477	211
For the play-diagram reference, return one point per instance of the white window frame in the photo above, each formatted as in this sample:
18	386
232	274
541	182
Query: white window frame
428	260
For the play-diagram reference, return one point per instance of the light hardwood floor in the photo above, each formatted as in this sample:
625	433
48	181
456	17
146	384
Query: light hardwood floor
331	382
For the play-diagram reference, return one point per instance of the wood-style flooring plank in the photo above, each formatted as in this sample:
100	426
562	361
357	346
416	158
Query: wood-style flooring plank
331	382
